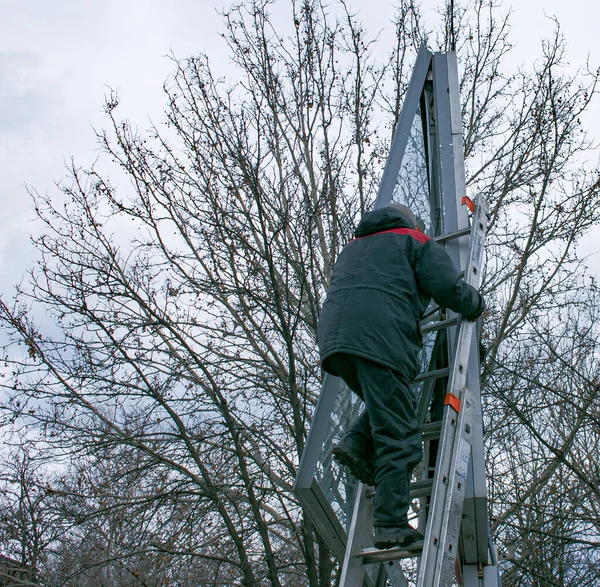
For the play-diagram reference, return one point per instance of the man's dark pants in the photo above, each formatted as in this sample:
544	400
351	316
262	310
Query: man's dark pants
387	429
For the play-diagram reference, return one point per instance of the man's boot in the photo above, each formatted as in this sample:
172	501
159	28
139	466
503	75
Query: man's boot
357	459
402	535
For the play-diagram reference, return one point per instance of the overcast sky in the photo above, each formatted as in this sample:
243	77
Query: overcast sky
58	59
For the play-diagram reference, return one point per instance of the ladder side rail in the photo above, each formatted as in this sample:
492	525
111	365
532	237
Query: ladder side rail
360	538
353	571
475	533
456	437
443	526
475	522
453	456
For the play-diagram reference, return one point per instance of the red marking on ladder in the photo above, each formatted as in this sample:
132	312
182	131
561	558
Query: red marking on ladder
452	400
470	204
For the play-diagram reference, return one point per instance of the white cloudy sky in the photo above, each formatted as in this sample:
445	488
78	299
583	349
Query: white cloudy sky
58	59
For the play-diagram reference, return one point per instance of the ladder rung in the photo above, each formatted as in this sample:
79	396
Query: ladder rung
421	488
440	325
417	488
432	375
373	555
431	431
448	237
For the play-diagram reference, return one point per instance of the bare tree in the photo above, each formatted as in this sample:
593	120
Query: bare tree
28	523
196	345
186	302
127	524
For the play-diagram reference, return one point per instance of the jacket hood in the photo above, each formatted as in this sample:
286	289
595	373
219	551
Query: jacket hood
382	219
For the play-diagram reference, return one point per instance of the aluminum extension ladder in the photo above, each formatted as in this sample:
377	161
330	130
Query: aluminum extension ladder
441	517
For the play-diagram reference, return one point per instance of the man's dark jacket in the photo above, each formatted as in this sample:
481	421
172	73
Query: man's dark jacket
381	285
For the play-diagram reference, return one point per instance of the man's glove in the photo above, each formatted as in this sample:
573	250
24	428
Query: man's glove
478	312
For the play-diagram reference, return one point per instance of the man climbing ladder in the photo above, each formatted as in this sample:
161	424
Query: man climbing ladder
369	335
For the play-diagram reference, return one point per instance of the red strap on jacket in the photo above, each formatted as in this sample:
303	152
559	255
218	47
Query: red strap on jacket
416	234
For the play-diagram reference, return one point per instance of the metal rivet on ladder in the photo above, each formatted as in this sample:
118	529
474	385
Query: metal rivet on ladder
450	547
436	542
445	480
